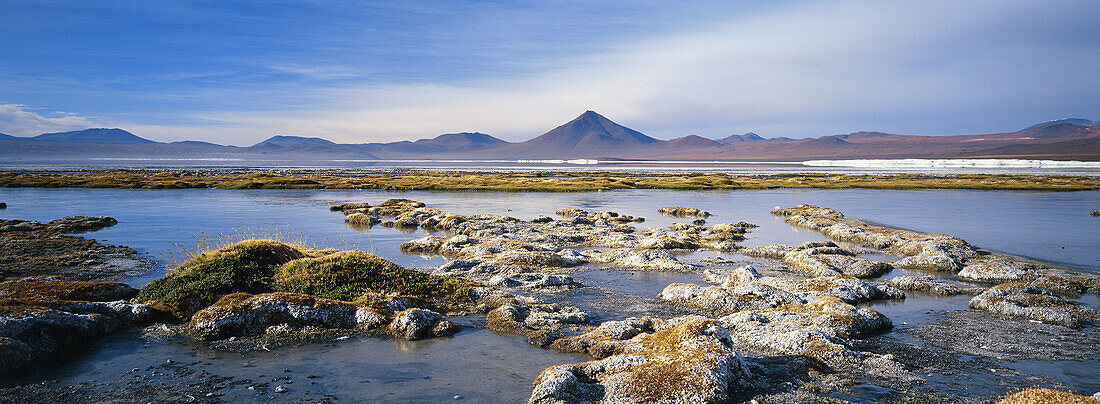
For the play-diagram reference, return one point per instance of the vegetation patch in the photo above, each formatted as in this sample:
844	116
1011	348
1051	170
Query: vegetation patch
349	275
541	182
246	266
1039	395
262	266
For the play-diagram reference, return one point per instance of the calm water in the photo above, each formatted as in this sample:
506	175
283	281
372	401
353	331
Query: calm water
1048	226
480	365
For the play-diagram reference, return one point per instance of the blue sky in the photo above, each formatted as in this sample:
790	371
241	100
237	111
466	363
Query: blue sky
238	72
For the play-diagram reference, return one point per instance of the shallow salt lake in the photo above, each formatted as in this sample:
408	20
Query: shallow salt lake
1053	227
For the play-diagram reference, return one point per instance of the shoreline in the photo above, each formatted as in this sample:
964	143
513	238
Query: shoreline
537	181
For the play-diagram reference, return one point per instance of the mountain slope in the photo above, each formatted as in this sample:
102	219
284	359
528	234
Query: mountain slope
282	141
748	137
463	141
590	131
93	136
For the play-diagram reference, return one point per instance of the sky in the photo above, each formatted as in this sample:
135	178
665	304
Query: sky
237	72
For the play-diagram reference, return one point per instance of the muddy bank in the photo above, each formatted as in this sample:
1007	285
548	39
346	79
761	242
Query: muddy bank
32	248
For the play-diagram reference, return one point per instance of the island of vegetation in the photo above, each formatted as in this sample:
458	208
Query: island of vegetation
524	181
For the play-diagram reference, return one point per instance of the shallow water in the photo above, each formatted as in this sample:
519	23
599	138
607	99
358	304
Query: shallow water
477	364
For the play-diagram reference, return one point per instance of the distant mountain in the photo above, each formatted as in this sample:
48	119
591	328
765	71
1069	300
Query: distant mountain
865	135
748	137
281	141
93	136
693	141
588	135
1074	121
464	141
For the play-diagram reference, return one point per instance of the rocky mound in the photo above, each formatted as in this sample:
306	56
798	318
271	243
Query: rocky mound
47	318
32	248
260	287
688	361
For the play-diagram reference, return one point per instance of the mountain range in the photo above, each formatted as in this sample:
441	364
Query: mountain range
590	135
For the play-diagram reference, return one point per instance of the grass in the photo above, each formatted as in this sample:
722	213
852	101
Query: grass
1043	395
349	275
263	266
525	181
246	266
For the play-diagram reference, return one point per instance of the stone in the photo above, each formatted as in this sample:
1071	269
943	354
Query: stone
242	315
1033	303
692	362
414	324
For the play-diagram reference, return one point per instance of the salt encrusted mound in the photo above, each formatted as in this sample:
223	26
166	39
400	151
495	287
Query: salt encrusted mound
820	259
1033	303
242	315
644	259
692	361
541	323
533	281
999	270
48	317
939	252
931	285
743	288
484	245
413	324
680	211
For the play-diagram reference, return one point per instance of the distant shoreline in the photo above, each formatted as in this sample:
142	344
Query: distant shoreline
524	181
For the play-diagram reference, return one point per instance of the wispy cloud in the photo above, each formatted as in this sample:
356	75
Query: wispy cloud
785	69
911	67
21	120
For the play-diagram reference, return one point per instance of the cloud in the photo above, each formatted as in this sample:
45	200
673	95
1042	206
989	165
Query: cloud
929	67
21	120
790	69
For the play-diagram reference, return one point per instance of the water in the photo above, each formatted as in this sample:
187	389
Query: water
1048	226
478	364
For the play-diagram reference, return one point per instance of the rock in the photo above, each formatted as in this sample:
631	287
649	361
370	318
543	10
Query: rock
542	219
47	318
644	259
80	224
930	285
539	322
744	289
609	338
426	244
242	315
693	362
820	329
773	251
820	259
999	270
368	319
571	212
533	280
937	252
414	324
680	211
1039	395
1062	286
1034	303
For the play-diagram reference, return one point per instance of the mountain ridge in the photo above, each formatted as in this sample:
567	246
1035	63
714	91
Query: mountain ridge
591	135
